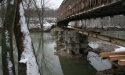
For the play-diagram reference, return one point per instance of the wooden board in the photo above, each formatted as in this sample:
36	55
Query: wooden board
107	54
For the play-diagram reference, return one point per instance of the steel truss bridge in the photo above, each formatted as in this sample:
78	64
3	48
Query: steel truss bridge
89	12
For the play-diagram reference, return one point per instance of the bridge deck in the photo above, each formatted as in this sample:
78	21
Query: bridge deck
71	10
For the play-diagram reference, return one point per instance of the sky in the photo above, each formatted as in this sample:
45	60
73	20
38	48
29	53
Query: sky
55	3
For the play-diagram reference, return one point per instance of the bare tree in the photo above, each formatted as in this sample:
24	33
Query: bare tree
7	33
15	15
24	45
40	8
28	4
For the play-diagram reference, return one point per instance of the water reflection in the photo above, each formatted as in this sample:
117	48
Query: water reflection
44	48
51	64
97	62
76	66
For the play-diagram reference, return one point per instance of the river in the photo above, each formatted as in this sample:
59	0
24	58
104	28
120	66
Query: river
50	64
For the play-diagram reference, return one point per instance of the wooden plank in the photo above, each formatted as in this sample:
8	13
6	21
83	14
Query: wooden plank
116	57
107	54
121	62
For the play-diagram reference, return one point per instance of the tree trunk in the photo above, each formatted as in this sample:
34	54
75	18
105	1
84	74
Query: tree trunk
19	42
7	33
22	45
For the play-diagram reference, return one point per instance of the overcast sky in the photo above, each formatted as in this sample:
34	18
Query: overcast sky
55	3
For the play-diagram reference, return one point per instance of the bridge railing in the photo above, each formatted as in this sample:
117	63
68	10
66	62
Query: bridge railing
72	7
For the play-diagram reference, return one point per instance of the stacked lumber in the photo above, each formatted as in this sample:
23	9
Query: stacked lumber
115	56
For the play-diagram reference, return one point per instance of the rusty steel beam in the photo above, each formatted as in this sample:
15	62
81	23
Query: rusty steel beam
84	9
114	40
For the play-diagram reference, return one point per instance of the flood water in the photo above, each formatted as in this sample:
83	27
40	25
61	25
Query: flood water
50	64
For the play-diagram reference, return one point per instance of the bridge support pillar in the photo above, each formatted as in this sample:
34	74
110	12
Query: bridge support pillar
72	42
76	43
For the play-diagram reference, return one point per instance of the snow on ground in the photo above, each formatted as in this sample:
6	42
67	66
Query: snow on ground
50	18
94	45
46	25
106	45
119	49
32	25
27	56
